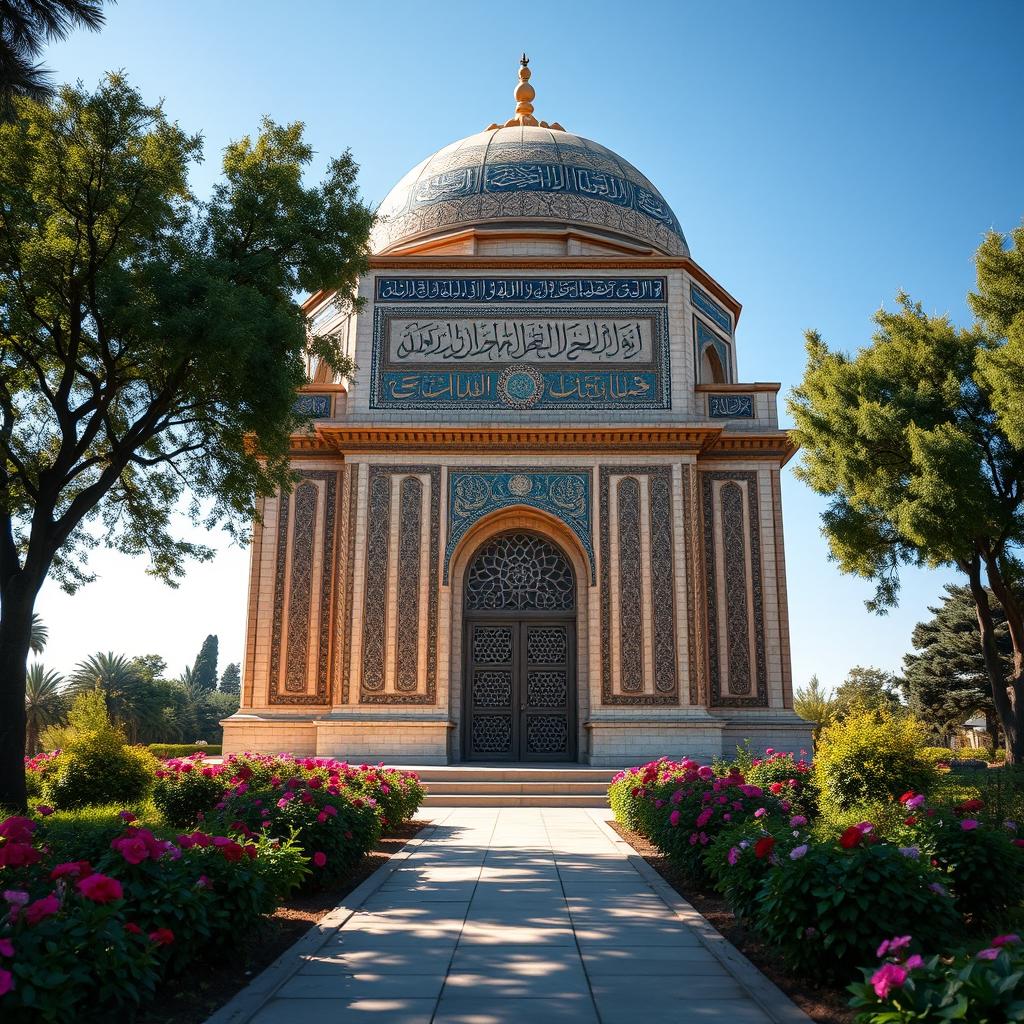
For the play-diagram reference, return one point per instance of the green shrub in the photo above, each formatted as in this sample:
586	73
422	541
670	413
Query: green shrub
828	911
970	986
869	756
624	800
87	832
886	815
183	749
985	869
184	796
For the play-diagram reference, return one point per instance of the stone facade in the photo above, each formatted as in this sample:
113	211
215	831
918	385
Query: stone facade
526	377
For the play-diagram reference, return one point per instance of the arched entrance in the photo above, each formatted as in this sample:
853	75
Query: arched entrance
519	652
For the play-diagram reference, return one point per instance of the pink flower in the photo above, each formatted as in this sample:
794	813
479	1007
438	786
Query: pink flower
17	855
74	868
16	897
969	824
703	818
162	936
705	773
41	909
6	947
17	829
760	812
733	856
319	858
674	818
915	801
798	851
6	982
893	945
987	954
133	849
44	810
797	820
1006	940
100	888
886	978
913	962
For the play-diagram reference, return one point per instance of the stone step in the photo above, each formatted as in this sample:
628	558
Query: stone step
514	800
490	788
466	773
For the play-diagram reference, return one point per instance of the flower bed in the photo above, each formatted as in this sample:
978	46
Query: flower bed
99	906
824	899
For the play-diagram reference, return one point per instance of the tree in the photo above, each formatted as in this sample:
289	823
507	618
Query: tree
45	704
39	636
867	689
150	343
25	27
231	679
813	704
916	442
118	680
204	670
945	680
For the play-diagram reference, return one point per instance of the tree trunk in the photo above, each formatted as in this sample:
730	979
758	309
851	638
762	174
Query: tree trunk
1015	627
18	601
32	746
1008	711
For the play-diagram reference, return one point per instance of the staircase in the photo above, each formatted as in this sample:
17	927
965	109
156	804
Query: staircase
464	785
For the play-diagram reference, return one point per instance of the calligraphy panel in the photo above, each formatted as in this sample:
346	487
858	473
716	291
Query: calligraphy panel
494	357
521	289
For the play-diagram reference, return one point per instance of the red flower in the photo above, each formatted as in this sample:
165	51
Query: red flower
851	837
100	888
133	928
162	936
18	855
910	821
41	909
907	796
74	868
970	805
763	847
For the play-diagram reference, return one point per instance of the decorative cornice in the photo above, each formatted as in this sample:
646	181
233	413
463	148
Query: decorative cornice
776	444
759	385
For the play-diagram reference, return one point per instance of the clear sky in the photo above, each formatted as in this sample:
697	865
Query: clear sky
819	156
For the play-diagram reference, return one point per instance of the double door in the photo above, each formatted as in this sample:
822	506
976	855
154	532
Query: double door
520	696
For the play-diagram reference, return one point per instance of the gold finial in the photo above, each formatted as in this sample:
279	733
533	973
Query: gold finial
524	96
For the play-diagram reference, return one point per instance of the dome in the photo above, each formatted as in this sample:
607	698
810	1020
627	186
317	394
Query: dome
525	174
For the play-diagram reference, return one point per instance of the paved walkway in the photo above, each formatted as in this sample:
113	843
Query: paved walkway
503	915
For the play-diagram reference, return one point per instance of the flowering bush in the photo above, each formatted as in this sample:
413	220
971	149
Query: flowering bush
980	986
186	788
984	865
787	777
871	756
827	910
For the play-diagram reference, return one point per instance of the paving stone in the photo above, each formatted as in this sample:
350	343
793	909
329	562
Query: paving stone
363	986
542	1010
334	1011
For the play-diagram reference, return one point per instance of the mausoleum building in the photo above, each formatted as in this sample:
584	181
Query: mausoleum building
542	523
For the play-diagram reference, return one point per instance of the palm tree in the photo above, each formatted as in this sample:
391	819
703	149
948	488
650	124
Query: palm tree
40	634
26	26
45	704
118	680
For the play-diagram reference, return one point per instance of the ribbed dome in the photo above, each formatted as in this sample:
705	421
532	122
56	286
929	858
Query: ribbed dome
523	174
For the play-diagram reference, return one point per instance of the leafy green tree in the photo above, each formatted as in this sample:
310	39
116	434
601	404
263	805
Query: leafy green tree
915	441
231	678
40	635
26	26
45	704
815	705
118	680
945	680
867	689
150	342
204	670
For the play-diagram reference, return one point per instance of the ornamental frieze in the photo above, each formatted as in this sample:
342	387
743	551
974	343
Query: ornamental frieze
521	289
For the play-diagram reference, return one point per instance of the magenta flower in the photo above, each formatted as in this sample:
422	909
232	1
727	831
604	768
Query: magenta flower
44	810
41	909
6	982
969	824
674	818
915	802
797	820
913	962
733	857
319	858
887	978
987	954
6	947
893	945
1006	940
760	812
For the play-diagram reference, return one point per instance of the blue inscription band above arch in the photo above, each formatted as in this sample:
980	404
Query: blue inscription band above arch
521	289
710	308
729	406
563	493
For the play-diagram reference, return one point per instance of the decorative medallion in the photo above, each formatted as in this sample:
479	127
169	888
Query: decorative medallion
520	571
520	386
520	485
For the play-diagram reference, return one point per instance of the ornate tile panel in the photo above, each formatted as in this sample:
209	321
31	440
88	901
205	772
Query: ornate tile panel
631	619
710	308
352	489
375	610
297	529
498	357
693	614
316	407
521	289
662	583
410	504
563	493
730	406
742	553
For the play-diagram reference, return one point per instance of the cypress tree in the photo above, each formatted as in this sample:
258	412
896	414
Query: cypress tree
204	671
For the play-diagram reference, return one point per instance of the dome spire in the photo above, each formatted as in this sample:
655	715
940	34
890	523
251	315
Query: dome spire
524	95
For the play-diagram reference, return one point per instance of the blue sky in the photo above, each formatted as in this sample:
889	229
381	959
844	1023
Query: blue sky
819	156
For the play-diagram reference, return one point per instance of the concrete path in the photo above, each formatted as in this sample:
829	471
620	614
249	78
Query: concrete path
502	915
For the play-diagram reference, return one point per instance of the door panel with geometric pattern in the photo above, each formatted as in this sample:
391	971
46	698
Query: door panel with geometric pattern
519	636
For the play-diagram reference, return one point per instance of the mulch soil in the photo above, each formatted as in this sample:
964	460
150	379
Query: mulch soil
823	1003
210	985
